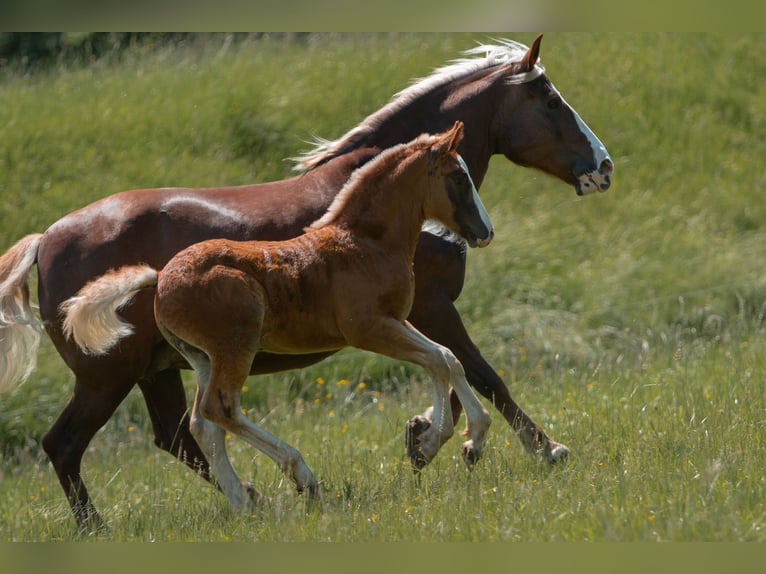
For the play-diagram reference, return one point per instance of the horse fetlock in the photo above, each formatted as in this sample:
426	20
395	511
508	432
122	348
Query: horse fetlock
537	443
556	452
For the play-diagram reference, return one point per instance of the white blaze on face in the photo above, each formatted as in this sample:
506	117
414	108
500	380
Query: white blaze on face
476	199
600	178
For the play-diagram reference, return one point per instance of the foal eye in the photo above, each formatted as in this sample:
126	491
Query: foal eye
554	103
459	175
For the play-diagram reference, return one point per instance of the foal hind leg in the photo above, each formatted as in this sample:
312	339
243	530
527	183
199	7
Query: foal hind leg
220	403
211	438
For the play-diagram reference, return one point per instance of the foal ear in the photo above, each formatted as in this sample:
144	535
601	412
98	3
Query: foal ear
533	54
452	138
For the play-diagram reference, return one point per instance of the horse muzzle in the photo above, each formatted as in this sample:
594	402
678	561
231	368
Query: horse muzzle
598	180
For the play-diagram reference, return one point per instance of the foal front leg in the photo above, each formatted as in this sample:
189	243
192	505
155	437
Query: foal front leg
402	341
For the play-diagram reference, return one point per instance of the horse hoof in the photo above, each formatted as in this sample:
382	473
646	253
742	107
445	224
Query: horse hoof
557	453
257	498
470	454
312	499
310	491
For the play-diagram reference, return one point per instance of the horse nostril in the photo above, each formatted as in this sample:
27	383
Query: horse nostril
606	168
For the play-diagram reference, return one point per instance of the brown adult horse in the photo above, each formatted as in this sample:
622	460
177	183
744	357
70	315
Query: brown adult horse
508	106
347	281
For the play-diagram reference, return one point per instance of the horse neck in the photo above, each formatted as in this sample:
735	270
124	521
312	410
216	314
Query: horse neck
390	207
471	101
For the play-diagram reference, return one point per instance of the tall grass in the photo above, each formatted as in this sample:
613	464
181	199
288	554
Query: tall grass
630	325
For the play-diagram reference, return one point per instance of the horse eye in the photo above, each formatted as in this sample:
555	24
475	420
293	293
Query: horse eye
554	103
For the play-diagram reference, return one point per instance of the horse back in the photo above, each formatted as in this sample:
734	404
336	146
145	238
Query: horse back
149	226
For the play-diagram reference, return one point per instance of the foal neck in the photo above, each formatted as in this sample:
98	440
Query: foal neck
385	199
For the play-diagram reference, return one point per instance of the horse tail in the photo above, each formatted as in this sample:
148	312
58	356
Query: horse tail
90	317
19	326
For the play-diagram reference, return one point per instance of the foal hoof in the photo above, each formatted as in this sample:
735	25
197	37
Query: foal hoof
413	429
470	454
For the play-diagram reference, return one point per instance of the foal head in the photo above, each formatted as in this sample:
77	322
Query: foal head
452	197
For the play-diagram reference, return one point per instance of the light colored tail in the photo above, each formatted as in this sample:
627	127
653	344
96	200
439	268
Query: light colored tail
90	317
19	326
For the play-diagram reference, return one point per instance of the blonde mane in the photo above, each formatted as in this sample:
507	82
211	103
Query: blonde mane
482	57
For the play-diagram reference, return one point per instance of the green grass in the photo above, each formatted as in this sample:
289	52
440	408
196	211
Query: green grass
630	325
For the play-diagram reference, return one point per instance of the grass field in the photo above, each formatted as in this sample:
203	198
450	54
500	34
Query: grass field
631	325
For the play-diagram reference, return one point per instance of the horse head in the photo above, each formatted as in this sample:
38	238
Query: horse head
536	127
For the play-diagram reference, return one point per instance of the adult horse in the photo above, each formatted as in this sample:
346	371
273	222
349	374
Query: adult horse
508	106
347	281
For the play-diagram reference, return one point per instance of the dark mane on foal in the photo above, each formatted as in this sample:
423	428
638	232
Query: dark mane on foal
484	57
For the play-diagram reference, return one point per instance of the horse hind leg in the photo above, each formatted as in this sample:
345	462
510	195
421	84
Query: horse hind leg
90	407
165	400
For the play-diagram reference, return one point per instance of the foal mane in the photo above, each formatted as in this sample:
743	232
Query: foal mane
361	176
477	59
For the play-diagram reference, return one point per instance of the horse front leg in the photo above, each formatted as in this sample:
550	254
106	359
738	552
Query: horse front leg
440	320
439	275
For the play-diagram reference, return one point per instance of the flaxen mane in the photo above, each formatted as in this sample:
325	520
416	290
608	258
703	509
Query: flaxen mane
482	57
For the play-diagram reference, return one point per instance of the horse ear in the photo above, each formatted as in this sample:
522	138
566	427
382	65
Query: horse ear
532	55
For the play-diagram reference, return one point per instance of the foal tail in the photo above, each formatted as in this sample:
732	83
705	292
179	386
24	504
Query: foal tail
19	326
90	317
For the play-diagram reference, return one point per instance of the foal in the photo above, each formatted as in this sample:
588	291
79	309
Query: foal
347	281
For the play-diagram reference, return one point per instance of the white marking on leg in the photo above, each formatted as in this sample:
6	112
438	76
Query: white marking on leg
477	417
212	440
287	457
